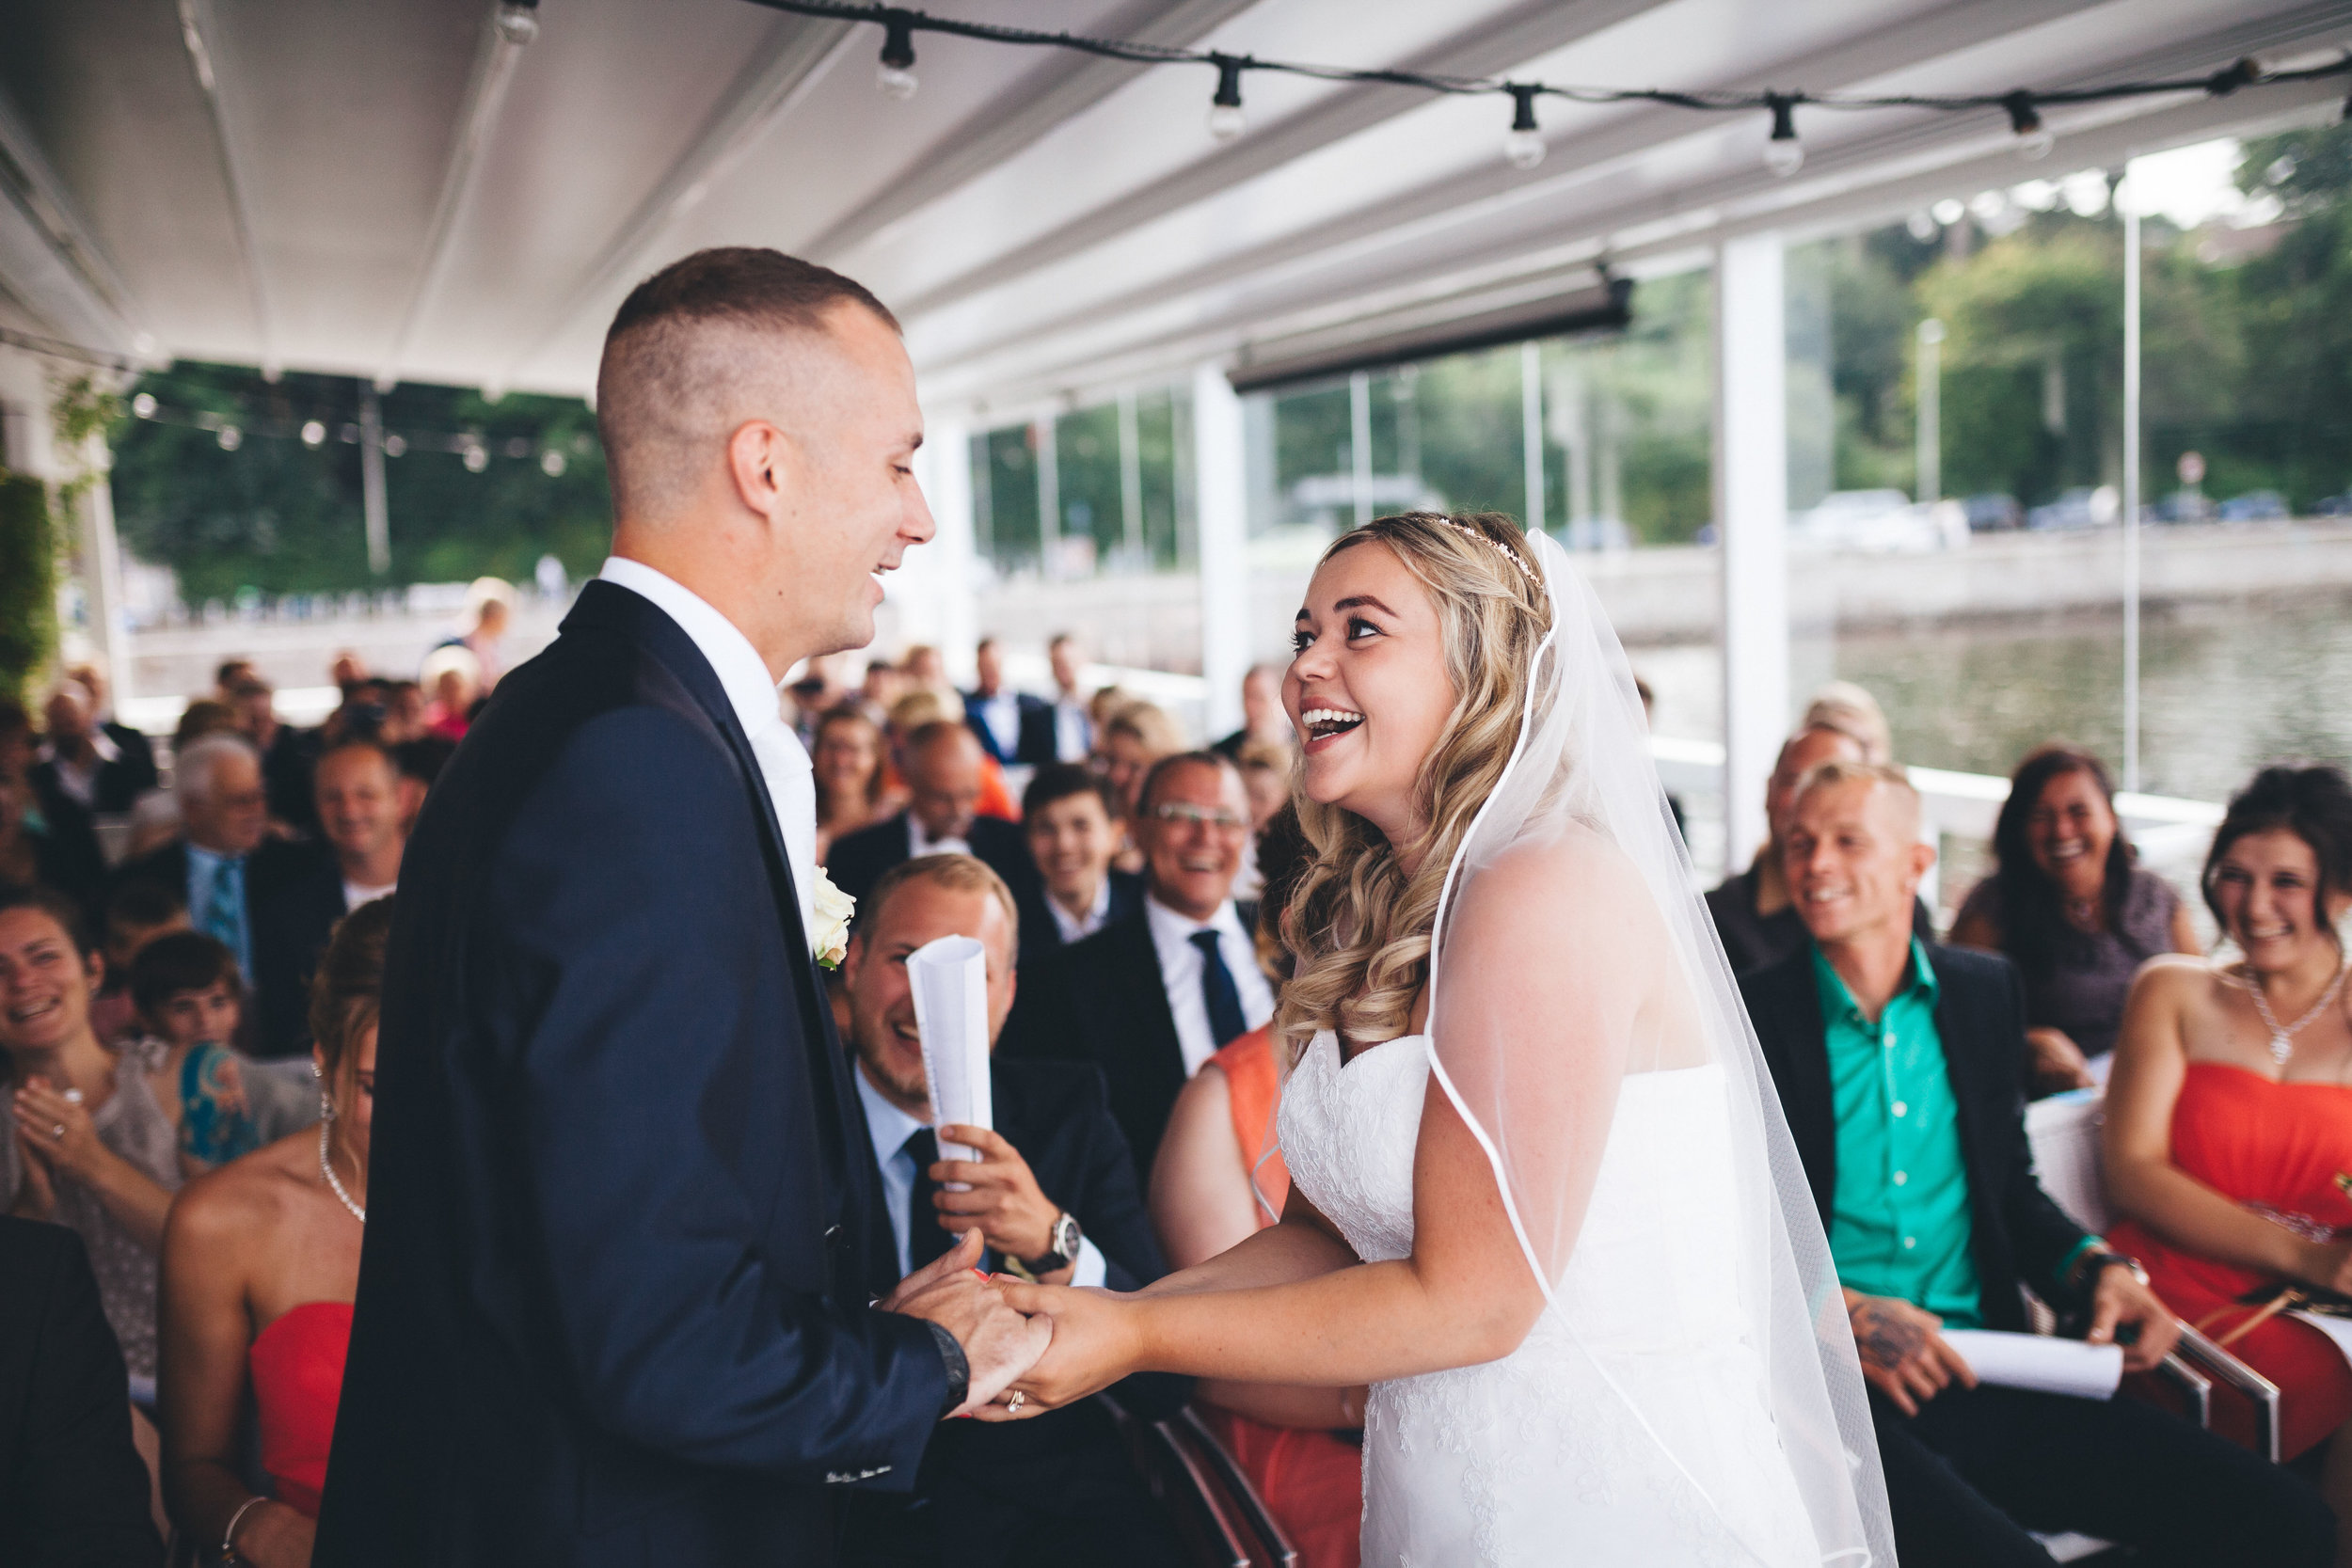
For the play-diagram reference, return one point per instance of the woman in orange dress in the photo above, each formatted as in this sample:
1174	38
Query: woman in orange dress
261	1264
1301	1448
2228	1144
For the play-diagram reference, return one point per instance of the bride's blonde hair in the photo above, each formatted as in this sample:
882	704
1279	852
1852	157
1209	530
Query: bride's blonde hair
1358	926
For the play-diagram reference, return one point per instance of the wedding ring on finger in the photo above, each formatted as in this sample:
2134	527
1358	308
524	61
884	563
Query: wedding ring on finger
57	1132
1013	1405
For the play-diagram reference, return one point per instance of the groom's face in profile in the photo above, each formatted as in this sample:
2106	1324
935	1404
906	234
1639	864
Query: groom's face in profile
881	1003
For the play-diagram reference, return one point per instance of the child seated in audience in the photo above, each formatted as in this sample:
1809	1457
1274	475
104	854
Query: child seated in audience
261	1264
221	1105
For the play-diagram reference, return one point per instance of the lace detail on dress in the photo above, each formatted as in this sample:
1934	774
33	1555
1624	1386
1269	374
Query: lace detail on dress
1536	1458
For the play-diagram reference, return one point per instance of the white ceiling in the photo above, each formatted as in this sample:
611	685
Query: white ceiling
1046	223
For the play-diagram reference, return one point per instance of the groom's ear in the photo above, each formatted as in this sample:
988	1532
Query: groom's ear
759	458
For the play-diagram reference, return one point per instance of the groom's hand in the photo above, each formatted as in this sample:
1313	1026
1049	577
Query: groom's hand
1000	1344
1094	1345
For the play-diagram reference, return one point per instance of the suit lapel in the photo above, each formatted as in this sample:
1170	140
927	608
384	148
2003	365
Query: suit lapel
1161	1051
1955	1019
1805	1096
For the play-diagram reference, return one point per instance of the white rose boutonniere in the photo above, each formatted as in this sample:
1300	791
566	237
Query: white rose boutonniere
829	933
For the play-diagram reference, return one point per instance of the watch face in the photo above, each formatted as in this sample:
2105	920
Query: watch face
1066	1236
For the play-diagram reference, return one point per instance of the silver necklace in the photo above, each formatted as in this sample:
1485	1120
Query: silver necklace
327	1168
2283	1039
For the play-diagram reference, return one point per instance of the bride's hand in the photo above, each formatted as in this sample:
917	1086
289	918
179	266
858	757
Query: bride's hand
1095	1344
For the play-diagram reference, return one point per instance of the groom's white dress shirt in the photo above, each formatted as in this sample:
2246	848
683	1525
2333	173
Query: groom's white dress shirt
783	764
1180	974
890	1129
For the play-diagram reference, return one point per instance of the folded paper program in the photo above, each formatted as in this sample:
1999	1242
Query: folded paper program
950	981
2038	1362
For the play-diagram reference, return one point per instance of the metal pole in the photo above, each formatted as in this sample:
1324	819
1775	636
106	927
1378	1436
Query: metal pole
1751	515
1930	411
1221	493
1532	430
371	483
1131	478
2131	488
1359	442
1048	495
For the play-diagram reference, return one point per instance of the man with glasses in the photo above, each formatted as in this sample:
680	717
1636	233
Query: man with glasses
1150	997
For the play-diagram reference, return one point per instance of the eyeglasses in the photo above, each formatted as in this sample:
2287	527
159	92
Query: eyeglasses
1193	817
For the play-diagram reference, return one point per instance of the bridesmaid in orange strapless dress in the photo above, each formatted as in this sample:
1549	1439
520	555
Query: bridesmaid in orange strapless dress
260	1262
1295	1444
2228	1145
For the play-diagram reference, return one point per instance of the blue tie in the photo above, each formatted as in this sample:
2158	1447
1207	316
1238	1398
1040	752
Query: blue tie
1226	1024
223	915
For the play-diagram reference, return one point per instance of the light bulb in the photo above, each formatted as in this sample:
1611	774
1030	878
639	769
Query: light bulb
519	23
477	459
894	83
314	433
1784	158
1228	120
144	406
395	445
2034	146
2034	140
231	437
896	77
551	463
1523	149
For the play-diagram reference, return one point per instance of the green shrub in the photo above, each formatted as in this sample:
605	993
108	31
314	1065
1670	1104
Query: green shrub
28	584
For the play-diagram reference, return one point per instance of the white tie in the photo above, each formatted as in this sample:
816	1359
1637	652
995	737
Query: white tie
792	789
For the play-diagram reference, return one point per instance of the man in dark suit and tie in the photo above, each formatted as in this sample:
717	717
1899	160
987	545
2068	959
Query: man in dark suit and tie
225	865
1055	1196
942	768
1070	818
85	763
614	1299
1898	1067
1149	998
360	809
1014	727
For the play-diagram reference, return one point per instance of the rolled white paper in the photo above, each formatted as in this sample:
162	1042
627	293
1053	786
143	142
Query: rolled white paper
2039	1362
950	981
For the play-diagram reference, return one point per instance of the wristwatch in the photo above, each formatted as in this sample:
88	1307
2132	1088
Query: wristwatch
2088	1268
1062	1249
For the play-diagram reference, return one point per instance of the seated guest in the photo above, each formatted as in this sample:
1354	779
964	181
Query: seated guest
1216	1180
1128	740
453	678
287	755
92	1147
1265	773
1754	916
1053	1195
1149	998
1074	726
136	914
72	853
2068	907
2228	1124
943	764
135	749
931	705
1843	706
1013	727
261	1266
846	764
219	1102
226	864
83	762
1897	1064
1068	816
73	1489
31	855
360	812
1262	716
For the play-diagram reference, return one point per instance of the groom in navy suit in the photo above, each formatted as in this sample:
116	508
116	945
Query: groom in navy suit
611	1305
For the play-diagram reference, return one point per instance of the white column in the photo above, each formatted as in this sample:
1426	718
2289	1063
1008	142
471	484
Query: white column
938	596
1930	399
1044	438
1532	432
2131	486
1131	480
102	556
372	497
1359	443
1752	516
1221	500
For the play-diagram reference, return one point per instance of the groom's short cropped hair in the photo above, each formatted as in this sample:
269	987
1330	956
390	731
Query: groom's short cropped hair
682	367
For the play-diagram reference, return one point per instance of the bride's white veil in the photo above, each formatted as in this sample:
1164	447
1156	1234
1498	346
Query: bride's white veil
1578	991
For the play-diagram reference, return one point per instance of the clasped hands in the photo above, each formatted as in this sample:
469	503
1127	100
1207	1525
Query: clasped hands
1906	1357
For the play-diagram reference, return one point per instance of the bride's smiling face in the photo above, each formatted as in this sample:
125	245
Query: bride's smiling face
1368	689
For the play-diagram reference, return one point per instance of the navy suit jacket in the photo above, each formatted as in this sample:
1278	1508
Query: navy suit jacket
858	859
1040	935
611	1304
2017	1233
1034	744
289	931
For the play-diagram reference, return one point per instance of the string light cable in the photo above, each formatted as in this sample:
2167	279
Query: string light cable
1523	145
473	447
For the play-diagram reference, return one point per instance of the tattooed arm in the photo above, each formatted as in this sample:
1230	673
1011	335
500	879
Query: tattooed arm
1903	1355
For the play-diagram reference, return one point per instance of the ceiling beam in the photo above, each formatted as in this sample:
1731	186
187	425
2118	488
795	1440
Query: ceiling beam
49	261
199	31
501	49
1526	32
768	88
1400	215
1016	119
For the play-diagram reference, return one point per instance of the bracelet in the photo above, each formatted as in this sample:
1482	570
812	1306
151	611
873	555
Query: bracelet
228	1537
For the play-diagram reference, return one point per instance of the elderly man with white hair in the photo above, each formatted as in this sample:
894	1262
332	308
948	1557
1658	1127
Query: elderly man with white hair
224	864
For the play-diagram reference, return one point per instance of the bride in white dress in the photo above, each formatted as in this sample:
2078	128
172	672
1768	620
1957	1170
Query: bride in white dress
1542	1199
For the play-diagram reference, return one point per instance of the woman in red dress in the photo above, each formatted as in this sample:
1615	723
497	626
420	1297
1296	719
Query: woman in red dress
1302	1448
261	1264
2229	1118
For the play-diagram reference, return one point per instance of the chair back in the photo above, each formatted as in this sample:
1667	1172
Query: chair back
2063	1131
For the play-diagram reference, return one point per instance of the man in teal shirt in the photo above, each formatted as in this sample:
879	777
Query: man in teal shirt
1897	1066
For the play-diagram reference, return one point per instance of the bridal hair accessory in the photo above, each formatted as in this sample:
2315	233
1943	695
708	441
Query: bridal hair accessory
1498	548
829	933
